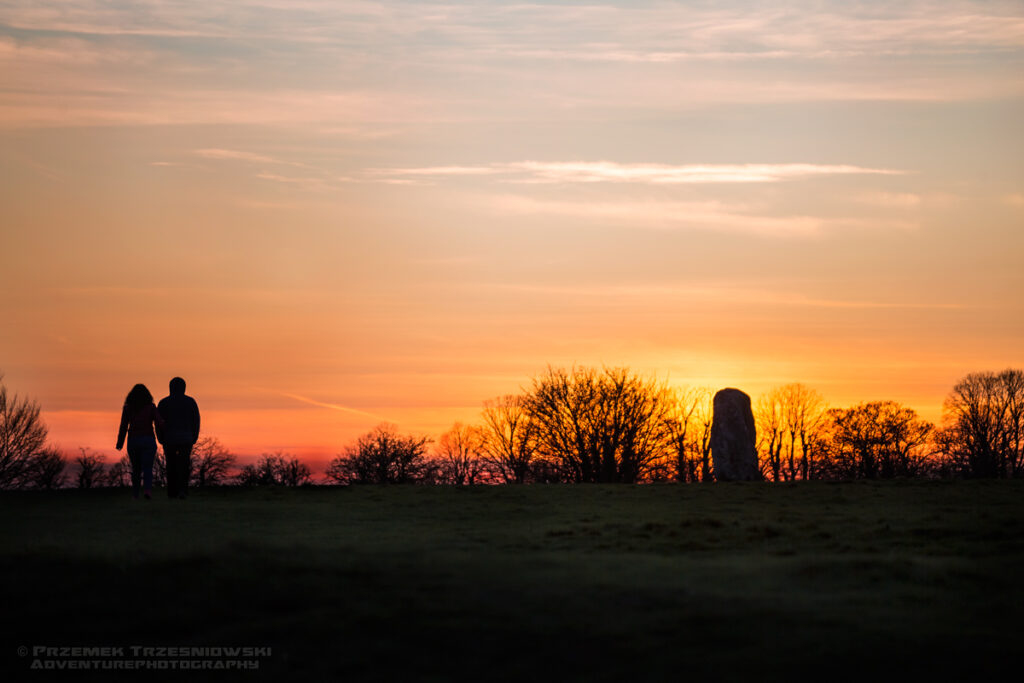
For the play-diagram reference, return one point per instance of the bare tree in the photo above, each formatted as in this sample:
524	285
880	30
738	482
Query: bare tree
22	438
90	469
291	471
275	469
704	415
688	434
600	426
876	440
460	455
383	457
771	428
120	473
47	471
804	410
789	421
260	473
508	438
983	425
211	462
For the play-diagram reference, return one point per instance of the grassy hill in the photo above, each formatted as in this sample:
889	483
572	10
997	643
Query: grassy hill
596	583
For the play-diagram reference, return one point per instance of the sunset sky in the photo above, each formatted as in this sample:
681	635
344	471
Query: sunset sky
324	215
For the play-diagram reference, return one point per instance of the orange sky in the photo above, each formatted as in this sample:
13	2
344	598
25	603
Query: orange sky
328	215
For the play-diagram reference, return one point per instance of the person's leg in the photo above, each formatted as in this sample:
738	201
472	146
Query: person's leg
177	469
133	458
146	458
185	455
171	461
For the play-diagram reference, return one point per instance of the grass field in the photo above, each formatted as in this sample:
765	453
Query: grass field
599	583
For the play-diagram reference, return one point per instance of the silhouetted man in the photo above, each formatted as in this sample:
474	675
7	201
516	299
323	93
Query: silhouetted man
179	433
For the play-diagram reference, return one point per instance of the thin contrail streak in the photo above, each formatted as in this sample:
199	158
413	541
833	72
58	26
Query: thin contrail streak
332	406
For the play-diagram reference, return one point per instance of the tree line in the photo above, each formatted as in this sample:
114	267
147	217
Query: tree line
583	425
610	425
212	465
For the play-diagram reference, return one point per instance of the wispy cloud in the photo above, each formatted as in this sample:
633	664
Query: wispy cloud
569	172
311	183
896	200
794	25
717	295
618	53
234	155
657	174
606	171
436	171
402	181
38	98
680	215
324	180
86	62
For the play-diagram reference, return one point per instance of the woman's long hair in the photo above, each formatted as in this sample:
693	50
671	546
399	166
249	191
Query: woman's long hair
138	398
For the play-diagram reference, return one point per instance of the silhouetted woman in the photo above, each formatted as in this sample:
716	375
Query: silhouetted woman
138	417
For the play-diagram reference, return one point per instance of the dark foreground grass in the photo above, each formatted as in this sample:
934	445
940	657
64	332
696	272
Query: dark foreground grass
598	583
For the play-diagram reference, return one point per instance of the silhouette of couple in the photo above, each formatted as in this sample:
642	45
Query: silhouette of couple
177	426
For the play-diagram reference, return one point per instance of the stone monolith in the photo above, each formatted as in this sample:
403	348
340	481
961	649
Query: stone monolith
733	437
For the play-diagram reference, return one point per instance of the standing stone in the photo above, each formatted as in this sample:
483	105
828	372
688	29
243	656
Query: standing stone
733	437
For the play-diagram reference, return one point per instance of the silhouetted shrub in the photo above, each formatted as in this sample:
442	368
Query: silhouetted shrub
384	457
277	469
